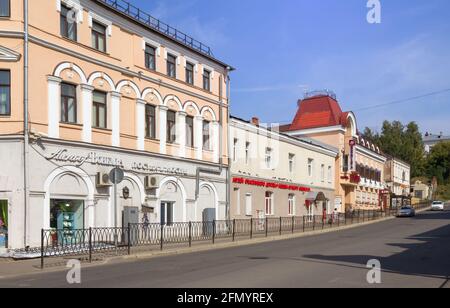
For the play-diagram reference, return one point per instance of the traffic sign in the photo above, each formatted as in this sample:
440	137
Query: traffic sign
116	176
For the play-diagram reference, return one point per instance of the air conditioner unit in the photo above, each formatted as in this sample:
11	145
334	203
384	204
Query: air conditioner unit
151	182
102	180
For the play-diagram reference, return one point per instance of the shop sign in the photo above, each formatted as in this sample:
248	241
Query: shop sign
63	155
93	158
270	185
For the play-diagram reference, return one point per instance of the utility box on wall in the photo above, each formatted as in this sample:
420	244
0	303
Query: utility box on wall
130	216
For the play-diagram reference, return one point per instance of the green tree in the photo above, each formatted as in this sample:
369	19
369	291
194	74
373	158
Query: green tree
438	162
403	142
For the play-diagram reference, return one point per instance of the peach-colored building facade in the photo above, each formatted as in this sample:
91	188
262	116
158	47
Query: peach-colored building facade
360	165
103	82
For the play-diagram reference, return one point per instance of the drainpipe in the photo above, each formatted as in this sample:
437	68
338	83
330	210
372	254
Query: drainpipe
25	124
229	150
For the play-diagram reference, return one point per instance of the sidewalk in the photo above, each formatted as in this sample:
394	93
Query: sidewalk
11	268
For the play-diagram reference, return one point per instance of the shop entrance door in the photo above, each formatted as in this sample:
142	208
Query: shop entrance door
3	224
66	216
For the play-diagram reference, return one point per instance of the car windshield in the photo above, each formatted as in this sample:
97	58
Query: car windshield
437	202
406	208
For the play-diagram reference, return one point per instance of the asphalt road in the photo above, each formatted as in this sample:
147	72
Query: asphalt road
413	252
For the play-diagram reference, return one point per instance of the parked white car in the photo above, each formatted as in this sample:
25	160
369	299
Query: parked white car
437	206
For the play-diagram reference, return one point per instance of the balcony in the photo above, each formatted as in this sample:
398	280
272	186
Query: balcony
125	8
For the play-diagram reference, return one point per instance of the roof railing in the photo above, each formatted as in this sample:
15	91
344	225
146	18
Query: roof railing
317	93
146	19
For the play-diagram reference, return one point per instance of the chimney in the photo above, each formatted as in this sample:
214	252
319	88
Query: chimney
255	121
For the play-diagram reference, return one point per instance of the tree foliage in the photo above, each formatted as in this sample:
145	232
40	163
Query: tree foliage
438	162
400	141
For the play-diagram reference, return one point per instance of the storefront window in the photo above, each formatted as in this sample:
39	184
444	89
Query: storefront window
66	216
3	224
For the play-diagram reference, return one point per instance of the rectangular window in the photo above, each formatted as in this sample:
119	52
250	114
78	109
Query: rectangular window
68	24
190	73
247	153
206	80
98	36
268	158
237	193
235	149
206	136
190	131
150	57
322	173
68	103
310	167
291	205
269	203
330	174
171	121
5	92
172	66
345	163
291	162
166	214
150	121
248	204
99	110
5	10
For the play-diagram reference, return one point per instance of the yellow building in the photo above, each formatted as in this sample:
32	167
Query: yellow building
89	85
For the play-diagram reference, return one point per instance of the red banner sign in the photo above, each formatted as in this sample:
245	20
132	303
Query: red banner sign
270	185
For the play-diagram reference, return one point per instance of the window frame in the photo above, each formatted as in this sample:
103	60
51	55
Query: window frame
190	73
247	153
235	150
64	100
169	63
150	122
96	35
63	18
8	87
269	200
322	173
171	134
206	133
206	80
191	133
268	158
291	205
248	204
9	10
96	105
148	55
291	162
310	167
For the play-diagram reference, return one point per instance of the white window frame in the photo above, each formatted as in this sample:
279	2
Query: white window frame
330	174
291	159
75	5
322	173
152	43
310	167
247	153
235	149
291	205
108	24
248	204
269	203
238	200
268	158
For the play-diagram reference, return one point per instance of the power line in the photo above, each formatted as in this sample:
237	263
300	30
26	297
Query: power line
392	102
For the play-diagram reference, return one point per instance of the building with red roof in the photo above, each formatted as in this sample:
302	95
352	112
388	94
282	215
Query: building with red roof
360	163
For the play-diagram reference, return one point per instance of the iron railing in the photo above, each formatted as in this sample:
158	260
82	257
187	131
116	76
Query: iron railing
131	11
88	242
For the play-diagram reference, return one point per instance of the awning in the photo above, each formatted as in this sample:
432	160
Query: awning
316	196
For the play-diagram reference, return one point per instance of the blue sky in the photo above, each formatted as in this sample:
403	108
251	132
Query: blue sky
283	48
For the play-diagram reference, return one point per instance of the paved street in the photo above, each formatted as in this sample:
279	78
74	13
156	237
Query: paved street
413	253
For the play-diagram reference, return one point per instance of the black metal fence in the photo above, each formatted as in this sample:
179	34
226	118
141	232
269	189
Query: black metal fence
88	242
